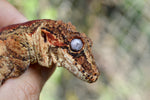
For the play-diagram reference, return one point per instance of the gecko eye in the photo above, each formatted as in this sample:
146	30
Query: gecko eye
76	44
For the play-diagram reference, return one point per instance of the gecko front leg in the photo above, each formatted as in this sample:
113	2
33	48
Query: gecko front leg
14	55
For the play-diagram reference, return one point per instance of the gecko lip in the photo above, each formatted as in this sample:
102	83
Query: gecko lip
90	78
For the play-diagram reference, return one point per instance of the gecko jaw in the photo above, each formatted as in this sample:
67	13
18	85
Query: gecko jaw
78	70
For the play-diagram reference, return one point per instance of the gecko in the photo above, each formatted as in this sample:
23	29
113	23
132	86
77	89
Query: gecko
46	42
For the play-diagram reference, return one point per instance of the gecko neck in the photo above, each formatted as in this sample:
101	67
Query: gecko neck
39	49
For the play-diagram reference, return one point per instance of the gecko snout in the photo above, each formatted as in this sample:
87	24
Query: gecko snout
93	77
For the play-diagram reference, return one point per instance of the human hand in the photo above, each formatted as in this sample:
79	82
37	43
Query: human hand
29	84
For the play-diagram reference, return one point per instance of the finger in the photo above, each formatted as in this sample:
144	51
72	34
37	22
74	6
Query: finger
9	14
27	86
24	87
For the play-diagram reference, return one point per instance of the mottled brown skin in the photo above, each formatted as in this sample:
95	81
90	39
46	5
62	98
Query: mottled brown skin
45	42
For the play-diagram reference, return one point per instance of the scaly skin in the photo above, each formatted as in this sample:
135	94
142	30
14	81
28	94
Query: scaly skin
45	42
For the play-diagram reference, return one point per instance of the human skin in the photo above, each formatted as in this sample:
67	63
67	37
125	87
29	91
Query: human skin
27	86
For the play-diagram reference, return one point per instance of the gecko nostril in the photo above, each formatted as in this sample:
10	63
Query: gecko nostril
95	74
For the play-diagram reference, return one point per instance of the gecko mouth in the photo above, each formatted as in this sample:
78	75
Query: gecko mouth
85	71
85	76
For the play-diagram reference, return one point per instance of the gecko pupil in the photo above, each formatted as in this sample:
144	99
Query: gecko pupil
76	44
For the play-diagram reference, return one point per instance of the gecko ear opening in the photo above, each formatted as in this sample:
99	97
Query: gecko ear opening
44	36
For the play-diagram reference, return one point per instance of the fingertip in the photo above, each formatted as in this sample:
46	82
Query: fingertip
25	87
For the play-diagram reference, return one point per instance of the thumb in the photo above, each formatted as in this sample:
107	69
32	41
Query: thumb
27	86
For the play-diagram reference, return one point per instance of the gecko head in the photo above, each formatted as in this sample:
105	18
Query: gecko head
77	57
72	50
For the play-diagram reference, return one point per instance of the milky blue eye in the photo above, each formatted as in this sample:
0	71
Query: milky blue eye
76	44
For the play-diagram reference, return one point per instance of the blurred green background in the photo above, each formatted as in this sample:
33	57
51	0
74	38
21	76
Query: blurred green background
120	30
